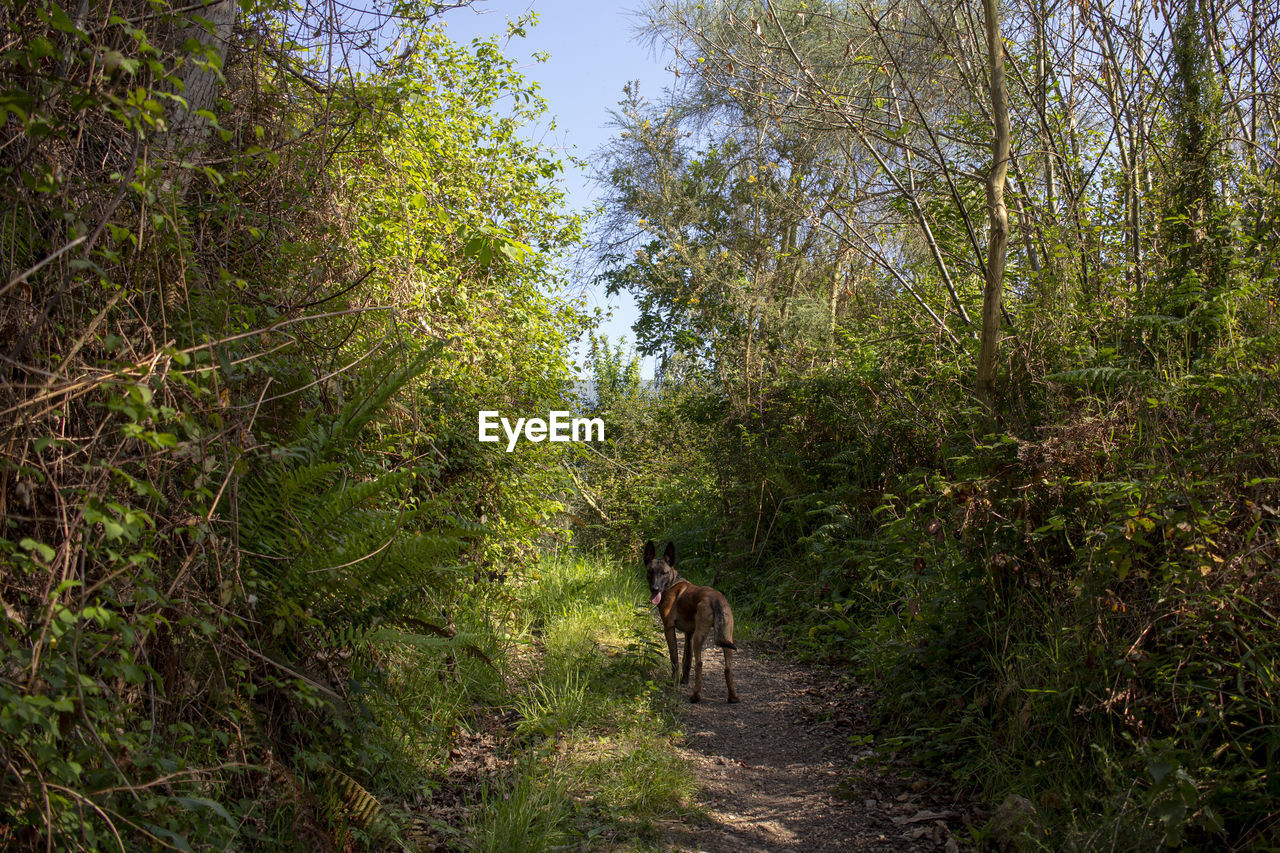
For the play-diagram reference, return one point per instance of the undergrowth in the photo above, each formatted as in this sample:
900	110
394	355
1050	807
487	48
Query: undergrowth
1081	613
251	296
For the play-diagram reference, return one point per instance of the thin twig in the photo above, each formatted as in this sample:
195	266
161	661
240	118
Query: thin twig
21	277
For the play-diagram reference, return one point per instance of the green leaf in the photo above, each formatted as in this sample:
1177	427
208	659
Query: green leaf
209	805
39	48
46	553
59	20
178	841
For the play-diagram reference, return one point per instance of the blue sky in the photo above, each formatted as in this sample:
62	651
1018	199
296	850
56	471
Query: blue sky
593	53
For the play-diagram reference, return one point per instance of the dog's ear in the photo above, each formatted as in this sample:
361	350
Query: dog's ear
670	554
649	550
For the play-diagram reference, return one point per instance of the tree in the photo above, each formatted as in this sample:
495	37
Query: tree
1198	270
203	45
998	239
722	242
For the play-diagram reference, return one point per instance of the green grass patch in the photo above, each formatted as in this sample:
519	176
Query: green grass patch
593	719
530	810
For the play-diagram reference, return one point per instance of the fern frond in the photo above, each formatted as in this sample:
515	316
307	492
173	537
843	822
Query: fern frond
348	800
1104	377
338	505
373	394
1155	321
468	643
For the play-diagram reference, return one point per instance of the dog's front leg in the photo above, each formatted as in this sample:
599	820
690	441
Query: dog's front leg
674	651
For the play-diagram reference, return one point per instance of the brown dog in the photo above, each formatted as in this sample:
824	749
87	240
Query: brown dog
698	611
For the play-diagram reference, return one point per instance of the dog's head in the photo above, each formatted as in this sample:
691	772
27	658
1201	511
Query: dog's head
659	571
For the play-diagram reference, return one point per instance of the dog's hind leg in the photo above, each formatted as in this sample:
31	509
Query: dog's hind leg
697	640
688	654
697	675
728	674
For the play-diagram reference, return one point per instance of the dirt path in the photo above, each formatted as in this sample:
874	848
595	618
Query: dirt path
779	771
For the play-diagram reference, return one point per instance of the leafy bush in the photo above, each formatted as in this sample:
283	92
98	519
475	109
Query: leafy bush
249	299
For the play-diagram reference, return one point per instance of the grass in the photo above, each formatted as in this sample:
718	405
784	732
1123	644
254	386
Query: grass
547	724
529	811
593	729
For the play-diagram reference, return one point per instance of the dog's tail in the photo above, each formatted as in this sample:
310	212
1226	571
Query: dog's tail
724	625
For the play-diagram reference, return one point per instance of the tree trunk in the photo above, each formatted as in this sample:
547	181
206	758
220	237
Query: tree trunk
200	76
998	241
